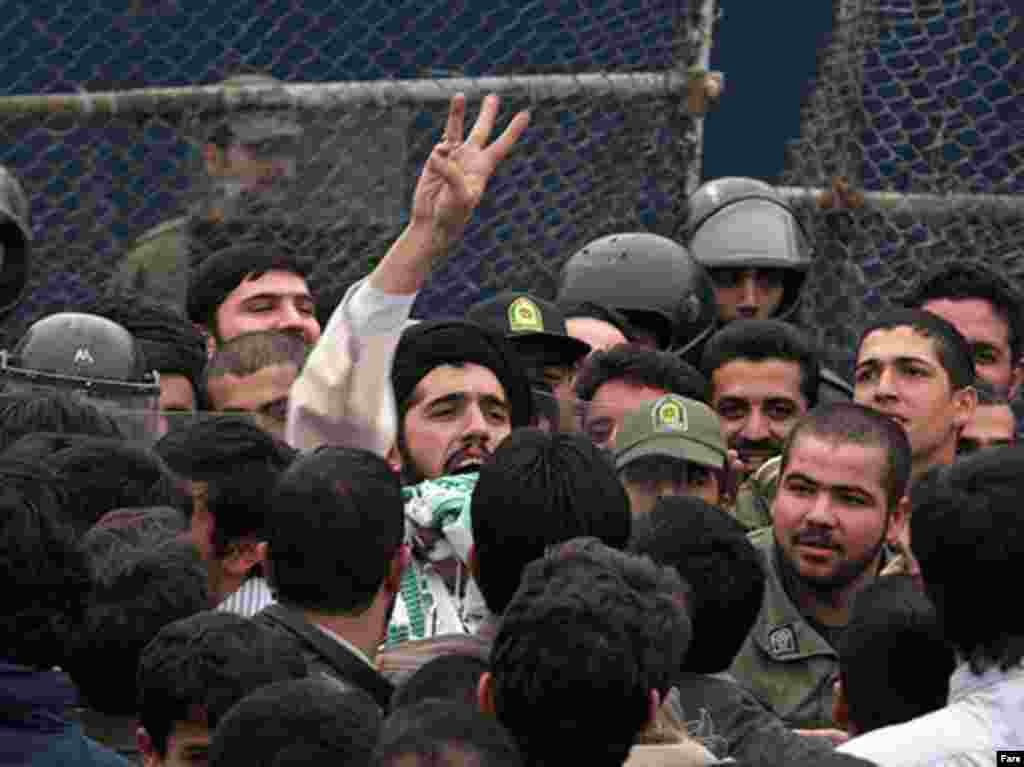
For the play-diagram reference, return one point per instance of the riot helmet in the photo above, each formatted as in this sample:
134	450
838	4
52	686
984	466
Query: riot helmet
15	240
652	280
92	358
735	224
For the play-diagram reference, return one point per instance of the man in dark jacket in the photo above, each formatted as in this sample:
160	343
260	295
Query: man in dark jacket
336	558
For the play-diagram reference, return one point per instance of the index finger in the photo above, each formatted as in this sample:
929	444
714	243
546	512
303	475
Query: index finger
456	118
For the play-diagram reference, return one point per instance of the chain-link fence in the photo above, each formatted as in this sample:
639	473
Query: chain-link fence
106	108
921	102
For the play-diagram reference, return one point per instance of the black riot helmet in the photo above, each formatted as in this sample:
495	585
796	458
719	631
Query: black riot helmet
89	357
652	280
743	223
15	240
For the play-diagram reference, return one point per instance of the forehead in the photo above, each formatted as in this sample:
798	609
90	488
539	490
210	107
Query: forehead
887	344
755	381
251	391
276	282
620	396
832	462
598	333
468	378
975	318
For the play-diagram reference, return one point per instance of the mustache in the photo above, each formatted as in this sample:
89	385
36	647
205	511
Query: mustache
817	537
757	446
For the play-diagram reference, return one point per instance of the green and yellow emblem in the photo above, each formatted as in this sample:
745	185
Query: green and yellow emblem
669	413
524	316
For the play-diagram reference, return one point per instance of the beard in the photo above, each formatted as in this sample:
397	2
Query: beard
845	573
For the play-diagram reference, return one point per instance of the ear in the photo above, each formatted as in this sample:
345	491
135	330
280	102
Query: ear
653	704
965	402
211	342
473	563
394	459
1016	377
244	555
400	561
899	523
150	758
485	693
841	706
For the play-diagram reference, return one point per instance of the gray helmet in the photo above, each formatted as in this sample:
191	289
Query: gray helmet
652	280
89	357
16	238
736	223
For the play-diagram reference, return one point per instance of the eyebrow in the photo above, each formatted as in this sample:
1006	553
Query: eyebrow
816	483
902	358
277	296
461	396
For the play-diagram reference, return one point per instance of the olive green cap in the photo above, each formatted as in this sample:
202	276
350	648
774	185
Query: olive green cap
672	426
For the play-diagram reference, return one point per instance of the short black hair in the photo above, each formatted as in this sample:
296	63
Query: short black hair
44	577
763	341
964	280
249	353
313	722
451	677
25	413
988	395
970	513
238	465
710	550
894	660
444	733
207	663
860	425
137	591
100	474
540	489
336	523
590	632
951	349
642	366
171	343
596	311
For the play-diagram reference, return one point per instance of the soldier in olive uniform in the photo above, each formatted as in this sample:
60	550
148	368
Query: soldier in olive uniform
247	157
840	500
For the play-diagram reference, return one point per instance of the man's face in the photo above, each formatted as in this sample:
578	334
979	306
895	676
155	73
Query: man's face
758	403
899	374
991	426
599	334
187	746
748	294
989	337
277	300
612	401
264	394
652	477
458	417
830	511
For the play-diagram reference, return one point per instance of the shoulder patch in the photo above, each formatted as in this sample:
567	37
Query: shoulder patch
782	642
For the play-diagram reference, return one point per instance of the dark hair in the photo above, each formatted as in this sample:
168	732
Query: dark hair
951	349
312	722
451	677
968	534
238	463
225	254
249	353
596	311
26	413
207	662
644	367
444	733
894	660
710	550
43	575
585	612
860	425
128	530
171	343
539	489
763	341
988	395
100	474
336	523
137	591
963	280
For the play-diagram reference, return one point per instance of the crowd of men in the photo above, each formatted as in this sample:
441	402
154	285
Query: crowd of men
642	523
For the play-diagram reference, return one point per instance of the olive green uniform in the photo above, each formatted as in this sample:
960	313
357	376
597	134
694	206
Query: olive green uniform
157	266
785	662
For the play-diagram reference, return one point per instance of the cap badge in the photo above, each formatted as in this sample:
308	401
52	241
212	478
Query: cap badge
84	357
670	414
524	316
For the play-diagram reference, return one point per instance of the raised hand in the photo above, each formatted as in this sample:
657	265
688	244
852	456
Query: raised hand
455	176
